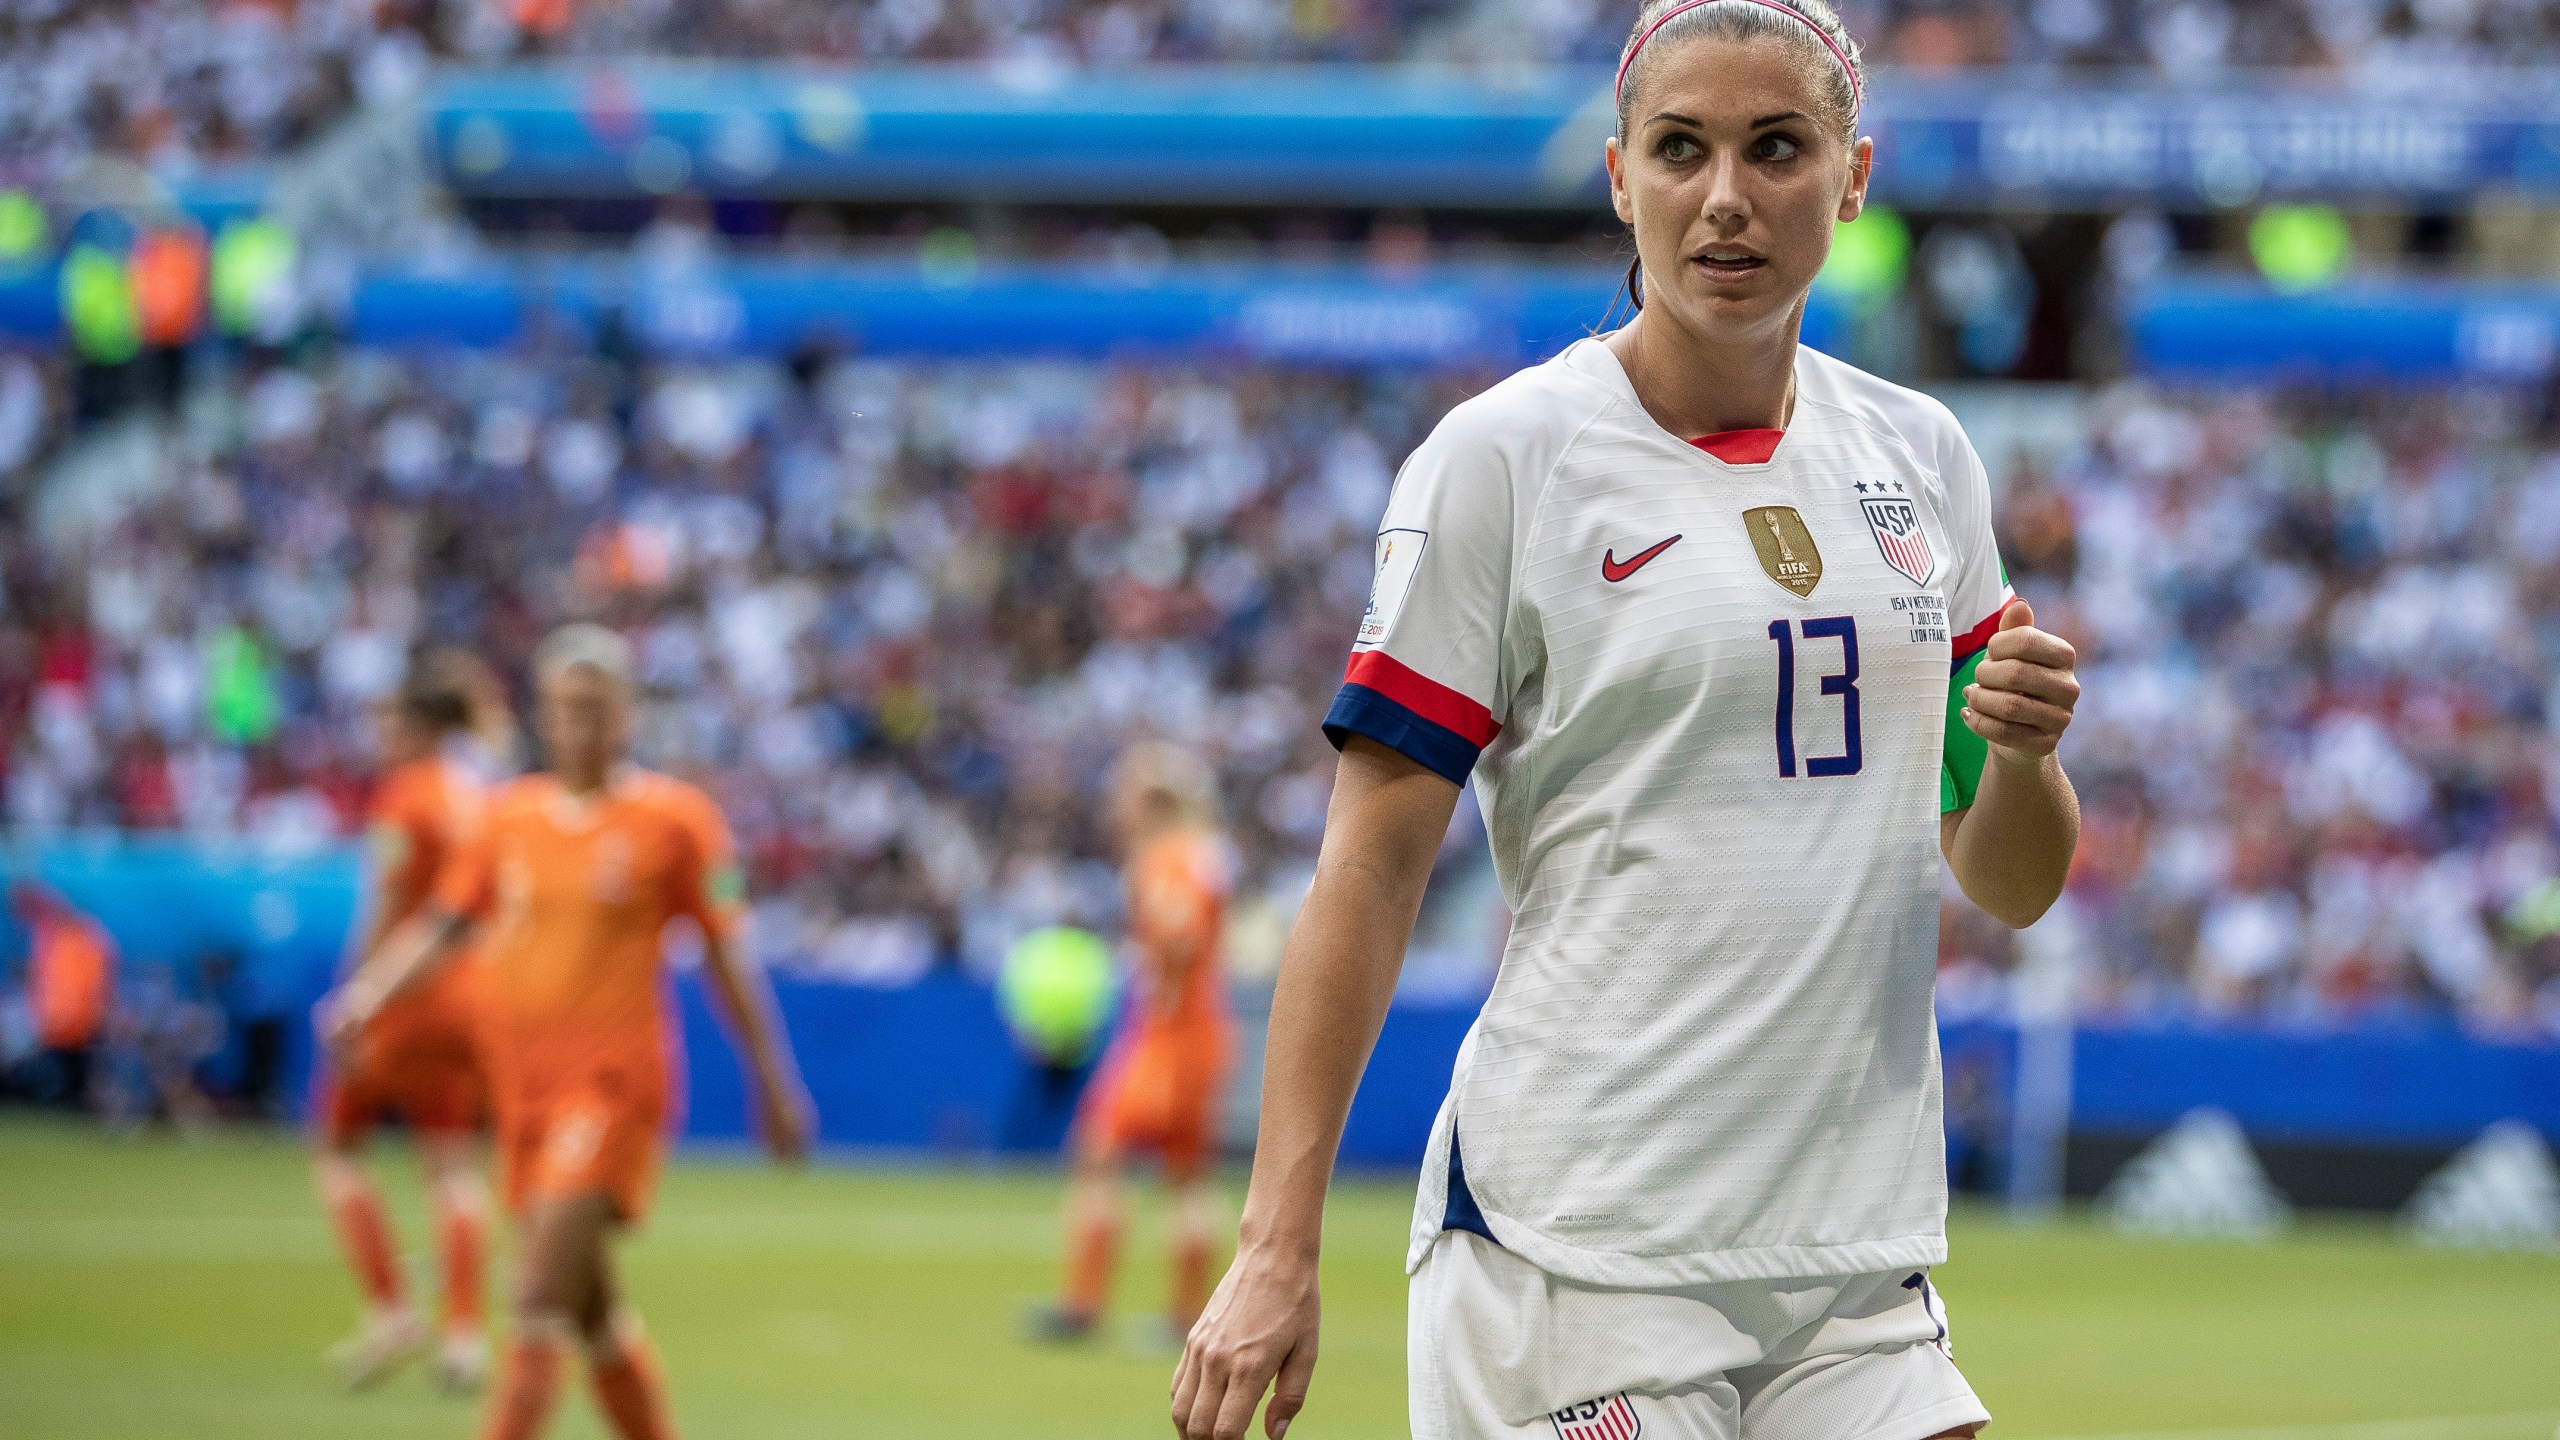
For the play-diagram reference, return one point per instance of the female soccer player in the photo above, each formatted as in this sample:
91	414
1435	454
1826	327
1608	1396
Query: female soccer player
571	880
1160	1084
1685	601
419	1060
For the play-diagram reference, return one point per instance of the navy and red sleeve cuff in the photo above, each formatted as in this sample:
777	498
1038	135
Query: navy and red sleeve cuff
1419	718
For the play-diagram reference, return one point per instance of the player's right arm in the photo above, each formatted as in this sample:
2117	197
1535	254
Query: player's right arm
1337	974
402	962
1422	697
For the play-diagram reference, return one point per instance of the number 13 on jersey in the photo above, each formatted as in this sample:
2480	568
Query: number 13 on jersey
1842	684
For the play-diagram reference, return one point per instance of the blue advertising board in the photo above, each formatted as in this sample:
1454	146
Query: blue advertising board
1294	135
2200	328
1401	136
1273	313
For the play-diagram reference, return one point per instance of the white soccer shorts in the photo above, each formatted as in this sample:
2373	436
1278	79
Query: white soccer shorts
1498	1349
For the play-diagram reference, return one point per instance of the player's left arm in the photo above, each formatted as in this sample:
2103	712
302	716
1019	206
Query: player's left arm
782	1110
2007	819
2011	847
717	903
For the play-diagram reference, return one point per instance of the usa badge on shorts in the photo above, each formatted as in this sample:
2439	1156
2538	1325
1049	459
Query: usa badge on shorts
1611	1419
1896	524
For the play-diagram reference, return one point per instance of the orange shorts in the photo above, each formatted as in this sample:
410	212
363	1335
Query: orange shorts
422	1064
1159	1091
599	1130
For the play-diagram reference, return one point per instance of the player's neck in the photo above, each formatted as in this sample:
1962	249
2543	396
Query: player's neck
1694	384
587	784
1147	833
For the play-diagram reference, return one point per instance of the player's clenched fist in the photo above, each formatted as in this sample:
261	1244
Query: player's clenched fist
2022	693
1260	1327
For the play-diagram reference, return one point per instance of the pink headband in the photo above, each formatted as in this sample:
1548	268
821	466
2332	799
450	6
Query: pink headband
1857	92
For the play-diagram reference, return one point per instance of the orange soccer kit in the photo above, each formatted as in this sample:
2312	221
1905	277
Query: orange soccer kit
420	1058
1159	1085
574	895
71	976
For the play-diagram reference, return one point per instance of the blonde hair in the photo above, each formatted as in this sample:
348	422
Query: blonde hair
588	645
1154	769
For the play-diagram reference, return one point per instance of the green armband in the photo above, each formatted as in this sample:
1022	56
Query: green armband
1965	753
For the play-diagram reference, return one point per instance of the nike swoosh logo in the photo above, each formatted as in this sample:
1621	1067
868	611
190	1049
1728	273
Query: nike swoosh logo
1613	572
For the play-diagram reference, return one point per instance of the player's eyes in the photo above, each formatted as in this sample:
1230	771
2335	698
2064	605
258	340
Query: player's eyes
1775	147
1679	149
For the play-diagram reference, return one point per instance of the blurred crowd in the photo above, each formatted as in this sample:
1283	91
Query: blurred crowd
899	617
2184	38
2320	642
181	86
2182	41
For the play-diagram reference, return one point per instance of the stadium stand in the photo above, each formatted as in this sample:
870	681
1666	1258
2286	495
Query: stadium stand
181	85
2186	38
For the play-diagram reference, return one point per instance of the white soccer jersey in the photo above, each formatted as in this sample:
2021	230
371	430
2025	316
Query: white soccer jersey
1706	705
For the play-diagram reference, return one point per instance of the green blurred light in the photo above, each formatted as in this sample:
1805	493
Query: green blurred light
97	306
22	227
1056	992
1870	256
2300	247
2535	916
240	690
252	272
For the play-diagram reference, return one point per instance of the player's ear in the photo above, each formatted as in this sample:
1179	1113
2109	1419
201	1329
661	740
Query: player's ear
1862	169
1614	157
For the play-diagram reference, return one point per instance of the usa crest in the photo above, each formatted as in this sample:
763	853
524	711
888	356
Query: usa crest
1613	1418
1896	524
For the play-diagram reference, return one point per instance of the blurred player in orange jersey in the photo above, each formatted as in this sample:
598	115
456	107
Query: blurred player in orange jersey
419	1059
570	883
1160	1083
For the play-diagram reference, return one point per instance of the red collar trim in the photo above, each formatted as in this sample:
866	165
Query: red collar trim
1741	447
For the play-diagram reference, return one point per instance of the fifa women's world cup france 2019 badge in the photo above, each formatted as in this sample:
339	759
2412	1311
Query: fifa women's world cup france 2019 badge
1896	523
1610	1418
1399	560
1785	547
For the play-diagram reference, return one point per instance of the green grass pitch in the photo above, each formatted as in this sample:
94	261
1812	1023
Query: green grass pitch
152	1288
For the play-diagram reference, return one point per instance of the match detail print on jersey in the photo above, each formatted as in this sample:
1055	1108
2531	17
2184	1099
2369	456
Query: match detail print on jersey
1785	547
1613	570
